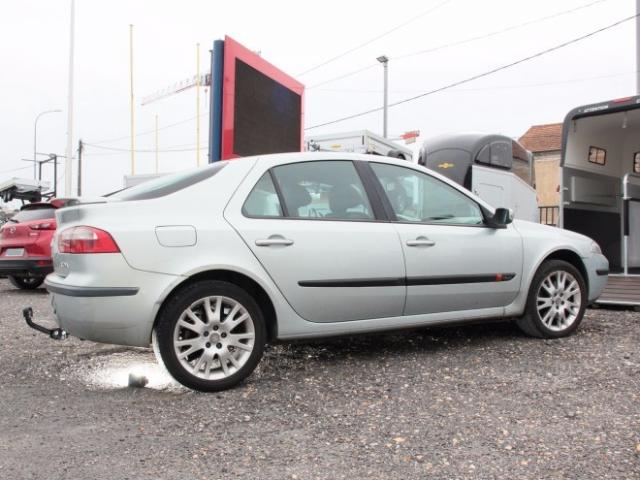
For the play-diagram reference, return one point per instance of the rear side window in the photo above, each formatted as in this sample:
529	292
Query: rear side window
329	190
263	200
168	184
45	213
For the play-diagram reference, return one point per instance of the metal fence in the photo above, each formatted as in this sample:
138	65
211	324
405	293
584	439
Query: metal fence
549	215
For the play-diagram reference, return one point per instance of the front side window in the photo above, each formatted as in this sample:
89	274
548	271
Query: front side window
329	190
263	200
420	198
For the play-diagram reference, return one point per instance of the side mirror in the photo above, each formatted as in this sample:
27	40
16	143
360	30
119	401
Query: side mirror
501	218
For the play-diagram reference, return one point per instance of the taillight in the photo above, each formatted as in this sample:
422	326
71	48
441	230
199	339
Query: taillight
43	226
86	240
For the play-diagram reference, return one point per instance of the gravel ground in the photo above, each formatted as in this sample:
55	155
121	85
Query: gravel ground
465	402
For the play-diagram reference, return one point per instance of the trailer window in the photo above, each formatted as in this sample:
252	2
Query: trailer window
636	162
597	155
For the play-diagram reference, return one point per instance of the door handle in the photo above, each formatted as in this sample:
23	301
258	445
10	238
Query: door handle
421	242
274	240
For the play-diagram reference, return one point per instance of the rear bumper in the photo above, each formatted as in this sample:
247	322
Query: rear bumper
31	267
121	315
72	291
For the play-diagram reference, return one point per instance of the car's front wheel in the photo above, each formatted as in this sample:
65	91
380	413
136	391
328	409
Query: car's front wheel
556	302
26	283
210	336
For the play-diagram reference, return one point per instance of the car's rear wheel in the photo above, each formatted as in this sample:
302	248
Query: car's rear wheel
557	301
26	283
210	336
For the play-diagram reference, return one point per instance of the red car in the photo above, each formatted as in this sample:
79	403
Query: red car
25	244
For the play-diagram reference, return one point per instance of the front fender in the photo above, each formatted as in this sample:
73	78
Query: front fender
532	262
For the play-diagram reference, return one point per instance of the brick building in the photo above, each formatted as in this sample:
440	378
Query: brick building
545	143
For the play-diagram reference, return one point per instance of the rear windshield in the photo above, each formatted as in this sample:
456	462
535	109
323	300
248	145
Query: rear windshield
159	187
41	213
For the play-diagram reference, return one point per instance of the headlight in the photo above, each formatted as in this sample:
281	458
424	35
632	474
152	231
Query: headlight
595	248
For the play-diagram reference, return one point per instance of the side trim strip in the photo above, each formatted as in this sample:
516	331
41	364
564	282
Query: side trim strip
72	291
360	282
410	281
458	279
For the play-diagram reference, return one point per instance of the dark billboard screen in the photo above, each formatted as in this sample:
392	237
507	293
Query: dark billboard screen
267	114
256	108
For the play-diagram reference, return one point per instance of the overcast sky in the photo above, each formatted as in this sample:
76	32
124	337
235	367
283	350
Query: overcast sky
295	36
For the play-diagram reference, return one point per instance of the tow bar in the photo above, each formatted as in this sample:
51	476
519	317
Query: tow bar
55	333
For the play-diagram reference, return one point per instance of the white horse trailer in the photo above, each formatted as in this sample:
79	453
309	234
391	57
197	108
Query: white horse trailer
600	188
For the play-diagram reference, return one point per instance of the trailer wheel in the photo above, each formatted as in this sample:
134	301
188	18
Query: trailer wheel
556	302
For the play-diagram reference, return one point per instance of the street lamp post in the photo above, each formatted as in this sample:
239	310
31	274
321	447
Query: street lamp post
35	138
384	60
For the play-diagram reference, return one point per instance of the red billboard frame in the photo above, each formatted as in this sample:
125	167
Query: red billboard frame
232	51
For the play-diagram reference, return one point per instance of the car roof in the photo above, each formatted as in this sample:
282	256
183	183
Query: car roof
311	156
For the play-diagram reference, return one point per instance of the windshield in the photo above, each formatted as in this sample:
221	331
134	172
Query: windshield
165	185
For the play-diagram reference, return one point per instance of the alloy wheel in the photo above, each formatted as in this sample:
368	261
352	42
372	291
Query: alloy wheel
214	337
559	300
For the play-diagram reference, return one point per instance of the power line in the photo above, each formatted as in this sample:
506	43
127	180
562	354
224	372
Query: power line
340	77
377	37
461	42
494	87
124	150
15	169
148	132
499	32
480	75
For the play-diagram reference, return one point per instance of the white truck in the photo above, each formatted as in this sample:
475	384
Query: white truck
360	141
494	167
23	189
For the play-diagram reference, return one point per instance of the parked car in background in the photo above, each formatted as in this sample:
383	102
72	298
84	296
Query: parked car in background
208	265
25	244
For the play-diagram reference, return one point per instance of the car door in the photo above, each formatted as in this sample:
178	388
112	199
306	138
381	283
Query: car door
313	227
454	261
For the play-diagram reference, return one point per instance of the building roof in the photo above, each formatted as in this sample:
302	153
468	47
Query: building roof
543	138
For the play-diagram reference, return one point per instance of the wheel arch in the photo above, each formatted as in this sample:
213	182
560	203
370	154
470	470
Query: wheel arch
570	257
241	280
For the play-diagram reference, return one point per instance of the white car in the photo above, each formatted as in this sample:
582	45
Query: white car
209	265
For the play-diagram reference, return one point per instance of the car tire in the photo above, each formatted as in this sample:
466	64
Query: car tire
26	283
210	336
556	302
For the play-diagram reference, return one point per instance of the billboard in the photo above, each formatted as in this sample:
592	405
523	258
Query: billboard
255	107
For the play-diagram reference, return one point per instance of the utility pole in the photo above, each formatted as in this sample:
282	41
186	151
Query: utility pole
35	137
198	104
384	60
80	148
638	47
55	174
69	151
157	163
132	101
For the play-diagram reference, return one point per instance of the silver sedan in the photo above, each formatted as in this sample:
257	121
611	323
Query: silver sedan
211	264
